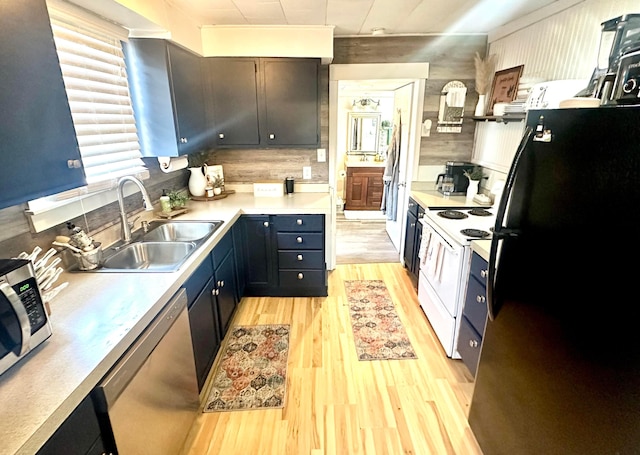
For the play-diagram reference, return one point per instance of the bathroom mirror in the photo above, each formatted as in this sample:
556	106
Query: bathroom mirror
364	133
452	101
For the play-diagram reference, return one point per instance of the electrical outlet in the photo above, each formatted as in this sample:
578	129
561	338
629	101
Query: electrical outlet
322	155
306	172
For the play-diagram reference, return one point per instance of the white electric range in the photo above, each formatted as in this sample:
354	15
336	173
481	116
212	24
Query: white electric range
445	257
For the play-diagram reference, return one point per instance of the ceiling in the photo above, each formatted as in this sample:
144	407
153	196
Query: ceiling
362	17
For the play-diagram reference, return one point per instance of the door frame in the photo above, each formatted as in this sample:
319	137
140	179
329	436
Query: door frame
416	73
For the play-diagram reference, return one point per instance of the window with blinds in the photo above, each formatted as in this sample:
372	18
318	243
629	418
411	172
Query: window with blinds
95	78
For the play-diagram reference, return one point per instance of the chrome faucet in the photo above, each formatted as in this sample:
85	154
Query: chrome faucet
146	200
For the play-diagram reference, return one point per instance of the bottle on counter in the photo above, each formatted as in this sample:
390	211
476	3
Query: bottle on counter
165	202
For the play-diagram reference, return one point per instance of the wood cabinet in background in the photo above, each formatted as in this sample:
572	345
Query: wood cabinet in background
364	188
263	102
37	136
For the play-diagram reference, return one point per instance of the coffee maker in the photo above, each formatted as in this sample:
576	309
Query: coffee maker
455	170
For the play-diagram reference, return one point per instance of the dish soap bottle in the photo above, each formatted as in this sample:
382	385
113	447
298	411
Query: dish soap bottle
165	202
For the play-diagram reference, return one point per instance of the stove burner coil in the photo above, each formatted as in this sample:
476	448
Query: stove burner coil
480	212
453	214
475	233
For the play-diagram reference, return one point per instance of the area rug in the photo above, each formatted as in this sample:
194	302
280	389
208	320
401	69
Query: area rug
377	329
252	374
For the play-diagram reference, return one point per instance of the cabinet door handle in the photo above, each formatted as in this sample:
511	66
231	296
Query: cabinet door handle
473	343
266	224
183	140
480	298
300	276
299	222
299	257
74	164
413	225
215	292
220	283
483	273
221	135
299	239
272	136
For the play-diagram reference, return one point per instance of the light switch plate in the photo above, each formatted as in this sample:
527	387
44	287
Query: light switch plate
322	155
306	172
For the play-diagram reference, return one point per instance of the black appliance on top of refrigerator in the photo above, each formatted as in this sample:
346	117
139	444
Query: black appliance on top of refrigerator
559	371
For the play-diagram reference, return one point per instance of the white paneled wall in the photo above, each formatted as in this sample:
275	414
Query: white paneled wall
561	46
499	143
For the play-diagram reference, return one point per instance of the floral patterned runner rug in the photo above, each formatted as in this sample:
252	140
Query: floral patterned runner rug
377	329
252	374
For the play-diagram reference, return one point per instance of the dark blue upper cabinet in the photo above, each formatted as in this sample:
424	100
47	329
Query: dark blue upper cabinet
168	100
38	145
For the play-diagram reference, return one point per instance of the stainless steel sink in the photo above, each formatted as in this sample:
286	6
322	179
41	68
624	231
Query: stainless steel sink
164	247
180	231
149	256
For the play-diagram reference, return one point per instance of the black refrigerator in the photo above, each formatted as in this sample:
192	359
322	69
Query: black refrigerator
559	370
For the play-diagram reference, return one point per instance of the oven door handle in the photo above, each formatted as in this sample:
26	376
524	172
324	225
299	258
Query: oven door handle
435	236
21	314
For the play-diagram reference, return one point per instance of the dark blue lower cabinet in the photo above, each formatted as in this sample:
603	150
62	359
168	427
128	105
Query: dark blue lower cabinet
284	255
79	434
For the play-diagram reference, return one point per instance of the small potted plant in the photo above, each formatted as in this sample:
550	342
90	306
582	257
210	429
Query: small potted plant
177	199
218	184
474	181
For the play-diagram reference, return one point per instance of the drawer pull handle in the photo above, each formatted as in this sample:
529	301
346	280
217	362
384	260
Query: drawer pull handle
220	283
221	135
473	343
272	136
480	298
266	224
215	292
299	257
300	276
299	239
483	273
299	222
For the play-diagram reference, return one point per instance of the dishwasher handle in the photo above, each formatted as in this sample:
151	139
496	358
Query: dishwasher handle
112	386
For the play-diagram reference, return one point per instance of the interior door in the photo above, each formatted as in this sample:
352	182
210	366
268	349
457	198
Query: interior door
403	104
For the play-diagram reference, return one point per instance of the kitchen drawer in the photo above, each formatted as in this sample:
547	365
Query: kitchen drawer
298	241
221	250
198	279
302	278
301	259
469	344
299	223
475	305
479	268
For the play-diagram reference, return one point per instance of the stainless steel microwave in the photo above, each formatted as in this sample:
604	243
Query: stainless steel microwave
24	323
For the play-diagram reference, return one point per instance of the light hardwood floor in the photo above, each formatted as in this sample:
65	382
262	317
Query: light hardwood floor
339	405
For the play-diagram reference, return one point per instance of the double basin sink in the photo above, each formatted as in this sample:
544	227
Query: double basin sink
162	248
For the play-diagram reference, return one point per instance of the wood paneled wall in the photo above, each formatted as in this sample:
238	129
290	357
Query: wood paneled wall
450	58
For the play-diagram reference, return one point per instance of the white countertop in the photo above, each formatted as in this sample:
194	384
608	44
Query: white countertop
432	198
482	247
97	317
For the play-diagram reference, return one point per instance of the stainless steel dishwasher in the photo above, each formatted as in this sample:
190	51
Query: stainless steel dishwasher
150	398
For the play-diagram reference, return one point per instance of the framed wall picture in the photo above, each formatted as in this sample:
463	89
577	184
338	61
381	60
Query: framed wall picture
505	86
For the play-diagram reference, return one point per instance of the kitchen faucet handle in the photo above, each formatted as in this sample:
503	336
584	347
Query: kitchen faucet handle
132	223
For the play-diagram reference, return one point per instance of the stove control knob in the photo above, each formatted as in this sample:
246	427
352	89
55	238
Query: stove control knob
629	86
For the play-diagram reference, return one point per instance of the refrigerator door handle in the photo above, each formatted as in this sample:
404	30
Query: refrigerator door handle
499	232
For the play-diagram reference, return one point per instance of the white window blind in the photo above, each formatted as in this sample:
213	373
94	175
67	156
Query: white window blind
94	73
